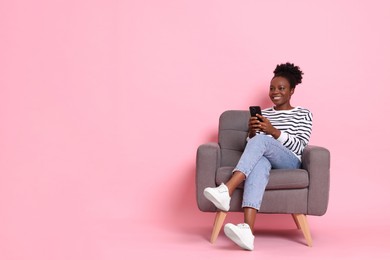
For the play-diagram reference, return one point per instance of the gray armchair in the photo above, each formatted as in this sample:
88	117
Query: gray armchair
299	192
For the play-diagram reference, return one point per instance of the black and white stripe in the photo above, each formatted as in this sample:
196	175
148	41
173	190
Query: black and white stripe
295	125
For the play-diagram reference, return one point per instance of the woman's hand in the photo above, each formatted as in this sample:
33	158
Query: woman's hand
253	126
268	128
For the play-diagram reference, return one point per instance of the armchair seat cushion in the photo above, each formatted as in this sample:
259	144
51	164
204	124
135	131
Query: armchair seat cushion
279	179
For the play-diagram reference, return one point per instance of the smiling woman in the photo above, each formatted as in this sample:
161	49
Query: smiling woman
276	140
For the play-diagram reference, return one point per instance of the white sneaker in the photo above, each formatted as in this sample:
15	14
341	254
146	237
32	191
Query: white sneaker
241	234
219	196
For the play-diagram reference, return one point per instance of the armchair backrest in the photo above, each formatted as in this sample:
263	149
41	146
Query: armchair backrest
232	133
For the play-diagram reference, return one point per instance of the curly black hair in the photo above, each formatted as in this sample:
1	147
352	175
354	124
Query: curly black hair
290	72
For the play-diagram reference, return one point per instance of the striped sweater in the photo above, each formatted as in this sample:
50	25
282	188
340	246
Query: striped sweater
295	126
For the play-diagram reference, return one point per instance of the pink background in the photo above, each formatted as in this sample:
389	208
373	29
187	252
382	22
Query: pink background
104	103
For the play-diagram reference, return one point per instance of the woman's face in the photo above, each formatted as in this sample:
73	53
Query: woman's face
280	93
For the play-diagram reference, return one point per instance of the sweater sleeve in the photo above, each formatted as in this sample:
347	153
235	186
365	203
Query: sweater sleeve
297	139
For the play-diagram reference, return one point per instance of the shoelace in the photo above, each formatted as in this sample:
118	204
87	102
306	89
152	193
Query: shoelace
242	225
222	189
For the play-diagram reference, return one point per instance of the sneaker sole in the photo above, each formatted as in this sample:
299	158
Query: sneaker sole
216	203
233	236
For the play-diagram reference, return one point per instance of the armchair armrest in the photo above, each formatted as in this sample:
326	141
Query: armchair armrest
208	159
316	160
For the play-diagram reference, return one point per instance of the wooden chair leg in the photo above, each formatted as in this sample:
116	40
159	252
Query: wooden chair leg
304	226
296	221
218	222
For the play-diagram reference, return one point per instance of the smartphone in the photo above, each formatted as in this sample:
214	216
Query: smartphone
255	110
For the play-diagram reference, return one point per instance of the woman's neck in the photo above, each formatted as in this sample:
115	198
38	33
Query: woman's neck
284	107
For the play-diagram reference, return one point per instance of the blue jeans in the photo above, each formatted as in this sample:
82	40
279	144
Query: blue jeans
262	153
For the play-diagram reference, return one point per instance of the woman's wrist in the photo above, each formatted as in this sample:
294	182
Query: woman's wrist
276	133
